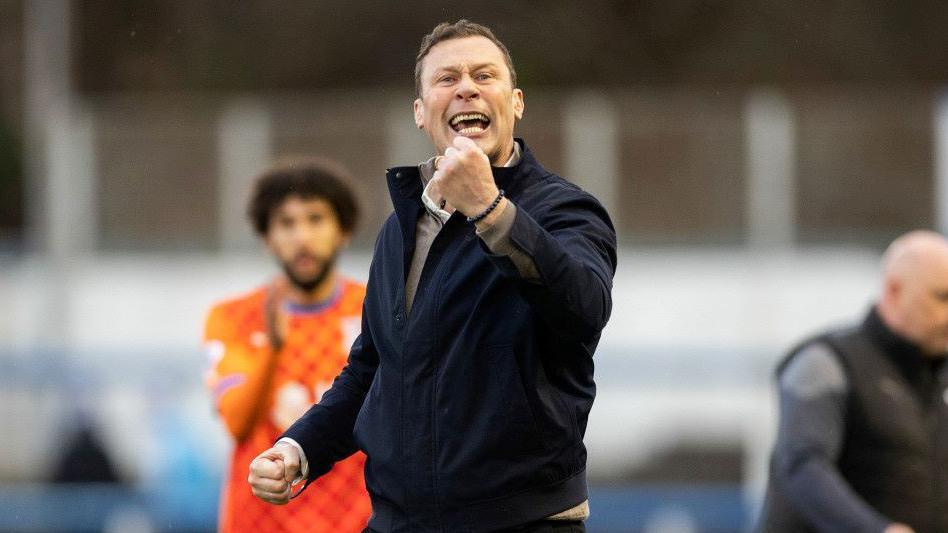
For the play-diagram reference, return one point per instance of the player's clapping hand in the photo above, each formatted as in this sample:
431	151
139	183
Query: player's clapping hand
273	472
463	177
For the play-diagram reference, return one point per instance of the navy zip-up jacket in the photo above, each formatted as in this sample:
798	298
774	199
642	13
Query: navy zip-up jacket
472	409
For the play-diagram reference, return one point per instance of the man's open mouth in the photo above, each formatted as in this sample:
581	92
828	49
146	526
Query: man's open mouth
469	123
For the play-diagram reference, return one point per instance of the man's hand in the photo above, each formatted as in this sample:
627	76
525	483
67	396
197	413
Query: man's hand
898	528
272	473
463	177
276	320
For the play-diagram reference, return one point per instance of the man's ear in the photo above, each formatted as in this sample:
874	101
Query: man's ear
517	96
265	240
891	288
419	114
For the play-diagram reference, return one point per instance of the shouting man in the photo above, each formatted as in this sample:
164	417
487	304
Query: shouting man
471	383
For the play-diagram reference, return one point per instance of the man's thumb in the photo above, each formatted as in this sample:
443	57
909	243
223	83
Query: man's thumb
291	463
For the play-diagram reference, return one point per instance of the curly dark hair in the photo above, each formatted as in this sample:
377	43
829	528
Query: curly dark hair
306	178
457	30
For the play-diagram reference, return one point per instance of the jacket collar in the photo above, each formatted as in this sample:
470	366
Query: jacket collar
404	183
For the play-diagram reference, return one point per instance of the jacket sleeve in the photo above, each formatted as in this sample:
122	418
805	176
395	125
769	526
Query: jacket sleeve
572	244
324	432
813	391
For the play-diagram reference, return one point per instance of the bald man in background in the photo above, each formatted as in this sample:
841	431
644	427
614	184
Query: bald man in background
862	443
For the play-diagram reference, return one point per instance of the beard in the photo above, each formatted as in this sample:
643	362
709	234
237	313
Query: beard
309	283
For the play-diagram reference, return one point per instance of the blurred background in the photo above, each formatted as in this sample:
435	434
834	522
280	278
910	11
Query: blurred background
756	158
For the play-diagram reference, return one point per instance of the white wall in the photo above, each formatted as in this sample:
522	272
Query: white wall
686	356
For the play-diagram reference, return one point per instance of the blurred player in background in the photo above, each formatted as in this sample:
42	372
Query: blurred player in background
863	437
275	350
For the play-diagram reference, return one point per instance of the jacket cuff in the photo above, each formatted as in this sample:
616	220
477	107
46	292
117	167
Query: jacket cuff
499	244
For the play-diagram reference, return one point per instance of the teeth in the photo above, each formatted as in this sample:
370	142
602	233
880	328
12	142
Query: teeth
468	116
470	131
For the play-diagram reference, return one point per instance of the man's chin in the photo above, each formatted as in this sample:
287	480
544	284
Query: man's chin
304	277
309	280
306	284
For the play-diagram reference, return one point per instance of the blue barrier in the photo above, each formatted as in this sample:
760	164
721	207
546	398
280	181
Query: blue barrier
693	508
89	507
193	508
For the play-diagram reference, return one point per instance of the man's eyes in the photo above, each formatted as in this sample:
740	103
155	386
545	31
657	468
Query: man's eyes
288	222
482	76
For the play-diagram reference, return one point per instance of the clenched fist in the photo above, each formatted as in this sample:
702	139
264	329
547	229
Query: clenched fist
463	177
273	473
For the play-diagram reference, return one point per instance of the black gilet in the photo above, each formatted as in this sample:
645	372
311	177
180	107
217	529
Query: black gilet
895	449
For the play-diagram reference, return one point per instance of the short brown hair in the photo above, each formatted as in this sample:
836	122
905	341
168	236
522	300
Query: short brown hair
457	30
306	178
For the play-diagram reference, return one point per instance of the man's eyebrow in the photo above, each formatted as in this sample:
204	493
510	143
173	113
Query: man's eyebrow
457	68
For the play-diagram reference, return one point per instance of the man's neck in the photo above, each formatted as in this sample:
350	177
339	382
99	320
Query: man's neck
321	293
511	158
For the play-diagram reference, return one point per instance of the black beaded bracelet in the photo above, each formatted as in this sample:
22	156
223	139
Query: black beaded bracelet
493	205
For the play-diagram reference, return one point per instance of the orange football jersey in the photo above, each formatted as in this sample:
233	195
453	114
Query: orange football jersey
314	351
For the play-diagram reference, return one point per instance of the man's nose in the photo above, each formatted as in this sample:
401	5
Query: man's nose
301	233
467	89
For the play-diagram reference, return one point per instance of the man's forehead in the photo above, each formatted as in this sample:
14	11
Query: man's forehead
940	265
935	253
931	271
464	52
